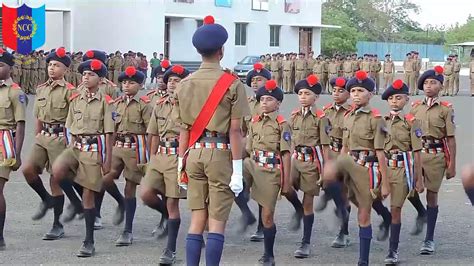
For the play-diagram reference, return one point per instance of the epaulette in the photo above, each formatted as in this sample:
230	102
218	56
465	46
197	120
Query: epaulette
255	119
69	86
375	112
327	106
410	118
108	99
281	119
119	99
15	86
416	103
145	99
295	112
348	112
151	92
42	84
161	100
447	104
320	113
73	96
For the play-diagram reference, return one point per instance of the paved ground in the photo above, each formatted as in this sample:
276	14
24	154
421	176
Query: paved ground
454	235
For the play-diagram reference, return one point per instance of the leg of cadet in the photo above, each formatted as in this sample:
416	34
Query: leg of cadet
365	235
194	238
384	227
3	212
34	181
295	222
421	217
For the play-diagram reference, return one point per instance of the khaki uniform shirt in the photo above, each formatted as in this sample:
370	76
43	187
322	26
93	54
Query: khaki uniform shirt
268	134
333	67
437	121
364	129
160	122
300	65
409	65
318	68
448	68
192	92
52	101
388	67
457	66
117	63
288	66
366	66
404	133
106	87
309	64
310	129
90	116
355	65
347	67
132	117
12	104
335	114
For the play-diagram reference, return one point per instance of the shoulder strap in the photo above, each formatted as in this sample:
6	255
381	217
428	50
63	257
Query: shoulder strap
280	119
320	113
145	99
209	107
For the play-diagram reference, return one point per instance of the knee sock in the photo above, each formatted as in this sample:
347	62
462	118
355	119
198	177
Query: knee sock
193	249
66	186
470	194
345	222
58	202
99	198
365	236
416	202
130	207
89	217
115	193
38	187
293	199
2	223
394	236
334	191
214	247
431	217
260	222
381	210
308	221
269	240
241	202
173	229
79	189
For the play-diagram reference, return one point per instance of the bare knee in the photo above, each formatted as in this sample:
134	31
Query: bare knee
396	215
173	208
147	195
30	172
363	216
432	198
267	218
308	204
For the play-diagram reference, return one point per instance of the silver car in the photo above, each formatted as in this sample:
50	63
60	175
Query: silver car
245	65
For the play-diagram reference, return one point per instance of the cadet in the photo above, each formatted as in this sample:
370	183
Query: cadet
377	67
160	87
408	70
417	69
34	72
269	144
90	122
448	76
117	63
26	75
438	154
300	67
365	65
50	112
131	116
310	129
212	142
347	67
333	69
388	71
456	70
76	77
12	129
42	68
288	65
275	67
363	143
471	74
310	61
160	177
402	149
16	73
355	64
106	86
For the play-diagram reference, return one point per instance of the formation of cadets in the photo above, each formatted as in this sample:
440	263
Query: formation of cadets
199	137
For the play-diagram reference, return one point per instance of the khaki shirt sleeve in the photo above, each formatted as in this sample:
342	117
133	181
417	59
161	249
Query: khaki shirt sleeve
324	129
17	104
416	144
285	137
146	113
379	133
70	116
345	135
450	125
152	125
109	124
176	113
248	145
240	107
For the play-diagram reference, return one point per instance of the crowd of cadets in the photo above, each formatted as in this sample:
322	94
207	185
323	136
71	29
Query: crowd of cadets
86	138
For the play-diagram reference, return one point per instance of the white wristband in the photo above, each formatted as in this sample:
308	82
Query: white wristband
237	166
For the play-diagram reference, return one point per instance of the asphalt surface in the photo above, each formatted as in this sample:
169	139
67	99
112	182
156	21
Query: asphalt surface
454	235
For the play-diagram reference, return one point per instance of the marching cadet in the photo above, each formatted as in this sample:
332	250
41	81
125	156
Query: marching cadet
16	74
402	149
12	129
448	76
438	154
131	116
456	70
269	144
347	67
388	71
50	111
310	129
275	67
160	177
409	75
471	75
106	86
91	125
212	141
288	66
300	67
310	61
41	68
160	88
363	144
418	64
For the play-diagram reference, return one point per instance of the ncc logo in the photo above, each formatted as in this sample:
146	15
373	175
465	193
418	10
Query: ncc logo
23	28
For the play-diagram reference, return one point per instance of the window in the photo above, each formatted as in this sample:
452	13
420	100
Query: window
275	35
241	34
292	6
223	3
261	5
199	22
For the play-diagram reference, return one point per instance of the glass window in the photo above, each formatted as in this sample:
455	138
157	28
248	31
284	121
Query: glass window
241	34
199	22
275	35
261	5
223	3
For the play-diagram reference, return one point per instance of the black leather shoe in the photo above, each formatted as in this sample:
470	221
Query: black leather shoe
267	260
420	223
384	228
295	223
428	247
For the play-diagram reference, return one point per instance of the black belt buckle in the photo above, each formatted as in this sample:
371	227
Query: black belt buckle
304	149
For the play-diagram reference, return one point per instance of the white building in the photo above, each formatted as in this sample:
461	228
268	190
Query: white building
255	26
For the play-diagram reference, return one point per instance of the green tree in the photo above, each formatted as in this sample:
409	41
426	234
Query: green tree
338	40
461	33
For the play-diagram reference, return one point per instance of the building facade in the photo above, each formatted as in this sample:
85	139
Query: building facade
255	27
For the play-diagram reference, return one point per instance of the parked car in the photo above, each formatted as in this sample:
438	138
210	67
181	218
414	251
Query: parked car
245	65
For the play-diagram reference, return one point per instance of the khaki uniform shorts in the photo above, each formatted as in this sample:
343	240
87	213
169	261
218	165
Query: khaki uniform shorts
127	159
161	174
307	176
264	184
45	151
434	167
398	186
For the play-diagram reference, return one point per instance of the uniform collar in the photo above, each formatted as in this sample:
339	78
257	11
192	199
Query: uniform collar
85	91
7	82
134	97
205	65
54	83
400	115
272	115
366	109
345	105
434	101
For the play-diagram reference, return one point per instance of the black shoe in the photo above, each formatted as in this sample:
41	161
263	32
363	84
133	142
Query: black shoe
55	233
321	203
295	222
267	260
303	251
257	237
72	211
42	209
428	247
384	228
392	258
245	221
419	225
125	239
87	250
118	215
161	229
168	257
2	244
